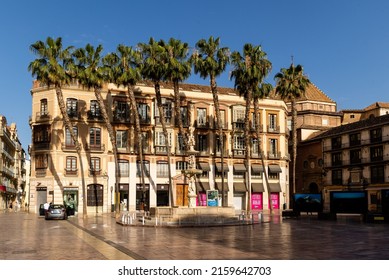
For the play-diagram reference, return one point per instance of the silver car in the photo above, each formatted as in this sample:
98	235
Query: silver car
56	212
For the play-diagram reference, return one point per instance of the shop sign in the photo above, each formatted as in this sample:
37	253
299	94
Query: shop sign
212	197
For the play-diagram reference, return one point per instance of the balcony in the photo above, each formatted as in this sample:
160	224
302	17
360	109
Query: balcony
42	117
273	155
95	172
66	147
39	146
238	126
95	148
94	116
273	129
71	172
239	153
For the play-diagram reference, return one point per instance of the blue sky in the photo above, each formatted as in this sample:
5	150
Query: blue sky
342	45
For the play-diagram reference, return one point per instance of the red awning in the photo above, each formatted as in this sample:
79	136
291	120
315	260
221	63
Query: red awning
2	189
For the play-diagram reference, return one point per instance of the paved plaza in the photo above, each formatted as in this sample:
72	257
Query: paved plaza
26	236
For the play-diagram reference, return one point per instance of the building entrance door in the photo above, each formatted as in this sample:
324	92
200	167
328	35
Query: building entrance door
181	195
70	201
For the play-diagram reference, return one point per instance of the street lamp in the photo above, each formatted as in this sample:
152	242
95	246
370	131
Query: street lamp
111	200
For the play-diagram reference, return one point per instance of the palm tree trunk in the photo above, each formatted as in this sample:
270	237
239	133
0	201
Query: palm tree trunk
294	143
166	135
257	131
69	127
220	128
130	91
247	144
177	107
112	137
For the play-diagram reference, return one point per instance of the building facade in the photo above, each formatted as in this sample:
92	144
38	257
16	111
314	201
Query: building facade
356	158
55	166
12	167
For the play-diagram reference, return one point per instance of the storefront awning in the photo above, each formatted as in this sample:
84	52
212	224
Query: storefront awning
3	189
275	187
274	168
202	186
256	168
257	187
218	186
204	166
219	167
240	187
239	167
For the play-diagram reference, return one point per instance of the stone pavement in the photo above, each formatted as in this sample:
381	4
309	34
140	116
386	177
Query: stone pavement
29	237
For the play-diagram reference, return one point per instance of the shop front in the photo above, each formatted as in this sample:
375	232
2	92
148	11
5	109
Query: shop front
257	191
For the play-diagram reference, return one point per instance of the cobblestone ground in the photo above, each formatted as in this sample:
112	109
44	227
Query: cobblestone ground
29	237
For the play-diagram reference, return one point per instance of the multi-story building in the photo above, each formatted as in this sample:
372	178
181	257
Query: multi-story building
12	166
356	158
55	166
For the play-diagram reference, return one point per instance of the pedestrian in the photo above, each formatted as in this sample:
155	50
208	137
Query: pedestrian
46	207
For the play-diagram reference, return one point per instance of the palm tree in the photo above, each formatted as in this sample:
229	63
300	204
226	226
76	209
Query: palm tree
261	92
179	69
291	84
210	60
155	69
52	69
249	69
125	70
91	74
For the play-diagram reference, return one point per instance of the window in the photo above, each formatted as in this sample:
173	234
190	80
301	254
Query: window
377	174
95	195
160	143
167	109
202	143
337	177
254	146
273	122
144	113
95	137
44	108
336	142
180	144
252	121
239	144
376	153
238	118
41	133
355	139
336	159
184	116
121	111
71	165
68	138
72	107
222	119
146	168
218	144
181	165
162	169
376	135
95	165
123	168
41	161
121	139
273	149
355	156
145	142
94	109
201	117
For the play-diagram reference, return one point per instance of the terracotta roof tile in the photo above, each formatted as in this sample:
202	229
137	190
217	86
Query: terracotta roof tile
312	93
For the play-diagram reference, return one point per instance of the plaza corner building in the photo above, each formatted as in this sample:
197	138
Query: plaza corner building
56	175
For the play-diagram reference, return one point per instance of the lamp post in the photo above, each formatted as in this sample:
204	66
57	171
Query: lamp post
112	208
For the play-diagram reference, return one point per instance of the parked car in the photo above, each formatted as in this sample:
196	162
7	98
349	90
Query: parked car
56	212
41	210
